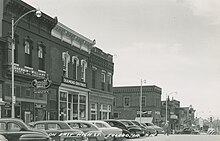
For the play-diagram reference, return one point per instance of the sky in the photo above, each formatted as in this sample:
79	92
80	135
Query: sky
173	44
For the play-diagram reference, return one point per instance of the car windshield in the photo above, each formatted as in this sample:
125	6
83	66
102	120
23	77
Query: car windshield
127	122
137	123
149	124
102	124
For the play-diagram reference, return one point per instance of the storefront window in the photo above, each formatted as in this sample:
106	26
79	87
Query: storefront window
63	105
93	111
72	106
105	111
82	107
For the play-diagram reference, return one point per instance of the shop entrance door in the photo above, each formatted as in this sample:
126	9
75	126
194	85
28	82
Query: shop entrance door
27	117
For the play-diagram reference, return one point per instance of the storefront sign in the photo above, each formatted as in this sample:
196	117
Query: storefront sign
29	72
74	82
41	83
40	91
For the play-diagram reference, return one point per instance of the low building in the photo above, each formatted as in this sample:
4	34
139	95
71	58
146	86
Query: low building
127	102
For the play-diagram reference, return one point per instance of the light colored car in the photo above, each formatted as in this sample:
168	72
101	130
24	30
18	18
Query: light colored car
59	130
109	131
2	138
158	129
89	129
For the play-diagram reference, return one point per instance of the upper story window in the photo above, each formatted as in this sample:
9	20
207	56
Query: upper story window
109	81
40	52
109	78
28	52
66	60
94	73
103	80
143	101
75	62
83	70
41	56
27	46
103	76
127	101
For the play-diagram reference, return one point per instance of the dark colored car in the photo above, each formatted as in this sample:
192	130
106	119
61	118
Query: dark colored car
16	130
59	130
147	131
188	131
129	131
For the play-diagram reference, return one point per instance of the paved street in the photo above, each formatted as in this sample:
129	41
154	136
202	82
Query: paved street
180	138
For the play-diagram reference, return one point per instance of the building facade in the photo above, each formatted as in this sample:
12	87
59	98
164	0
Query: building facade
32	62
178	117
48	51
101	69
127	102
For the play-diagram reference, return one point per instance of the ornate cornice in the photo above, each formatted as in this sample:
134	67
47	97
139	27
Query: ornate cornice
70	36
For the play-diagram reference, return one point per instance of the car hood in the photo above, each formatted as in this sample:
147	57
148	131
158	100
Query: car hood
112	130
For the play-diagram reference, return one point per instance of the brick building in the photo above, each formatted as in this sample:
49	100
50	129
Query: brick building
178	117
127	102
47	49
101	68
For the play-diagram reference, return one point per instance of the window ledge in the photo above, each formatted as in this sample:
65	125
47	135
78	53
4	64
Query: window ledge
42	71
16	64
26	67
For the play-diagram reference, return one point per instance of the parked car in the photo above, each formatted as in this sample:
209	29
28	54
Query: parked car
128	131
89	129
109	131
14	129
2	138
150	129
147	131
129	124
158	129
59	130
188	130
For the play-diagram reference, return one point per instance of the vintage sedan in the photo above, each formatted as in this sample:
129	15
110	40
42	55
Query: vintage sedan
59	130
2	138
14	129
128	131
147	131
89	129
129	124
188	130
113	133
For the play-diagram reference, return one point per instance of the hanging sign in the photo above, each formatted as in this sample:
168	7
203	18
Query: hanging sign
41	83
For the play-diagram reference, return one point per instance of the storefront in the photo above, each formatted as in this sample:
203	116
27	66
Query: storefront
73	100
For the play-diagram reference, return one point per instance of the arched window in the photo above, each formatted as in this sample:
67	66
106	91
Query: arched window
41	56
66	60
28	43
83	70
75	62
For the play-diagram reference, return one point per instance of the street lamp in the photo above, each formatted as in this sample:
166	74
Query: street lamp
141	99
13	23
166	103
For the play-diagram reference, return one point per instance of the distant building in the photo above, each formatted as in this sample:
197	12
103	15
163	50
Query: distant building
127	102
186	116
172	116
178	117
